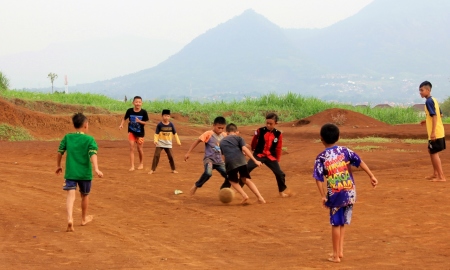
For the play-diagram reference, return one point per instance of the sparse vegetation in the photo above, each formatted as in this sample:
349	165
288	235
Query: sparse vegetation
4	82
415	141
249	111
367	148
10	133
339	119
367	140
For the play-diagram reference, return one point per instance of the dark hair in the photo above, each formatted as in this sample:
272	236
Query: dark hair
137	97
78	120
272	116
329	133
426	83
220	120
231	127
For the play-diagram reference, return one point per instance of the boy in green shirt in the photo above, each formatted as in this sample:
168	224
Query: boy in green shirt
81	151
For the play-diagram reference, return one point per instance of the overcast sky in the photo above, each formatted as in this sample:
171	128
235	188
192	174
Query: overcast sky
30	25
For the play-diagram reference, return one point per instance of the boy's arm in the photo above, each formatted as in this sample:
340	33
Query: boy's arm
279	147
365	168
320	186
186	157
58	163
121	124
249	154
177	138
95	165
433	128
255	140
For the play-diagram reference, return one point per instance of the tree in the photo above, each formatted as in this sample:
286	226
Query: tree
52	77
4	82
445	107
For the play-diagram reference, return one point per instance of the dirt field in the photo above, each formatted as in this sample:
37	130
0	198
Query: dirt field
139	223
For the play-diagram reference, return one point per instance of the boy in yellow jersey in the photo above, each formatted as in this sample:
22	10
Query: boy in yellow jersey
435	129
163	140
81	152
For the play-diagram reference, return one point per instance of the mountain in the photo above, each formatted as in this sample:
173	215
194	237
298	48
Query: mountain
247	53
380	54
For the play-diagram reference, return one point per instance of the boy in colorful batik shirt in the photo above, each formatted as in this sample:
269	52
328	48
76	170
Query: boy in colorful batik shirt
333	166
165	130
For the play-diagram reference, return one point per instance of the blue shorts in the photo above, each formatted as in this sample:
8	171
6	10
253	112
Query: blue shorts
339	216
84	185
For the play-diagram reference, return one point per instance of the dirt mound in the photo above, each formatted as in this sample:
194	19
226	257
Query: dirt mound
51	126
340	117
57	108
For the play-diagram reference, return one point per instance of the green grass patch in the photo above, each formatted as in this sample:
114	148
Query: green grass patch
10	133
367	148
415	141
247	111
446	120
407	150
366	140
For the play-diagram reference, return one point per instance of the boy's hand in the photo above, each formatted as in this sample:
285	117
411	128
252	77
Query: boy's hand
433	136
258	163
156	143
121	126
186	157
58	170
423	122
324	200
374	181
99	173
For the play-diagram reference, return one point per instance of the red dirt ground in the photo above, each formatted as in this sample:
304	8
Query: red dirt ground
139	223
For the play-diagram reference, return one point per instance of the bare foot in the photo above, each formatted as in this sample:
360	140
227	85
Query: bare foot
193	190
88	219
150	172
131	169
261	200
438	180
334	259
174	171
141	166
340	255
70	227
286	193
244	200
431	177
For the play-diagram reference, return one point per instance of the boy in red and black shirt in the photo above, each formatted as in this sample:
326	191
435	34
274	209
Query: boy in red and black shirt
266	144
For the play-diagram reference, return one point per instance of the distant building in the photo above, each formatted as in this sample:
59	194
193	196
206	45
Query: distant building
383	106
419	108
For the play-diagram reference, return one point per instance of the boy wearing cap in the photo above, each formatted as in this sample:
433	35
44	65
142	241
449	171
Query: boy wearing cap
165	130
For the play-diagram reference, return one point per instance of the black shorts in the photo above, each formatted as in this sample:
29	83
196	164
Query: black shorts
242	171
436	146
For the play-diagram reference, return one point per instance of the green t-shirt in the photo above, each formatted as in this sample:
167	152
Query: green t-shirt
80	148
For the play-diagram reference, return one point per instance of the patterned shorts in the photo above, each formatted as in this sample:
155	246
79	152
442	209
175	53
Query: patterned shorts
339	216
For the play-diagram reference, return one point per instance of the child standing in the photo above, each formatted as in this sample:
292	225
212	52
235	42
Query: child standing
435	129
232	147
213	157
81	152
136	132
163	140
266	145
333	165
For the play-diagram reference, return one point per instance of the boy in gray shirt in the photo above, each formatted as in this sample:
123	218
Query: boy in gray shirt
232	147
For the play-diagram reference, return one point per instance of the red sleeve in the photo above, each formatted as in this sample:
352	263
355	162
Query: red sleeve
255	139
279	146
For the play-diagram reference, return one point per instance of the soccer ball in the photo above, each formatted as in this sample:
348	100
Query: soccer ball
226	195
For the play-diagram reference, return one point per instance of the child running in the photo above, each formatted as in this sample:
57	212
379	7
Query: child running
339	193
435	129
213	156
81	152
232	147
136	132
163	140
